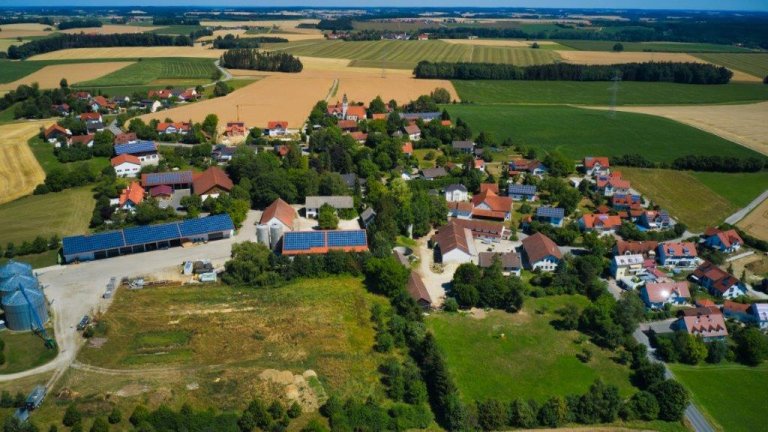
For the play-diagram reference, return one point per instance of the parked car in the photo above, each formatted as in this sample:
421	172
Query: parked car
84	322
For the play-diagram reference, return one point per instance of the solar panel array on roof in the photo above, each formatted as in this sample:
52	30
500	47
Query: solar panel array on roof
134	148
346	238
550	212
93	242
303	240
168	178
208	224
151	233
516	189
322	241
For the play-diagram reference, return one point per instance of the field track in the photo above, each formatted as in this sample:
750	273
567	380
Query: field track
19	170
50	76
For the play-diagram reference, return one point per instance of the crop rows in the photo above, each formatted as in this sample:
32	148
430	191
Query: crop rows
149	70
753	64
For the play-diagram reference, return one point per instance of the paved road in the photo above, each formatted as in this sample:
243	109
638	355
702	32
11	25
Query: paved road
225	73
739	215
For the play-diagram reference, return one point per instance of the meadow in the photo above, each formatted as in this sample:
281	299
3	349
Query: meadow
158	71
738	188
600	45
744	407
508	356
25	350
601	93
685	196
753	63
583	132
406	54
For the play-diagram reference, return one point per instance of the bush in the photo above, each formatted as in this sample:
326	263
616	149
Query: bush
672	397
450	305
116	416
294	410
643	406
140	415
71	416
100	425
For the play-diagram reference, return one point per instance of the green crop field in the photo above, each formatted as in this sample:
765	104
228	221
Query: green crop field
177	30
149	71
743	409
62	213
753	64
601	93
25	351
406	54
690	200
579	132
738	188
531	360
599	45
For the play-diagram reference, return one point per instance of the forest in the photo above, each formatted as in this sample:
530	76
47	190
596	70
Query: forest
682	73
81	40
248	58
230	41
79	23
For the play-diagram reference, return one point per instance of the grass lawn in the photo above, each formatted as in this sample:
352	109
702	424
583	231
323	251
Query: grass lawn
685	196
598	45
753	64
599	93
578	132
738	188
157	71
420	153
43	151
24	350
41	260
318	324
743	409
177	30
532	360
62	213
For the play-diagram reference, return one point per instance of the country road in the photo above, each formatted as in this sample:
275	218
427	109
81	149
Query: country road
741	214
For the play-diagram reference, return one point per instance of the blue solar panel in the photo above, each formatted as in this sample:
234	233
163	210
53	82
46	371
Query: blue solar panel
95	242
303	240
516	189
151	233
137	147
167	178
346	238
198	226
550	212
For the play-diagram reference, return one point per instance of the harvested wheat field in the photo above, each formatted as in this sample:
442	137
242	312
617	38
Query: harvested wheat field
12	31
517	43
291	37
19	170
130	52
112	29
742	124
282	25
50	76
756	222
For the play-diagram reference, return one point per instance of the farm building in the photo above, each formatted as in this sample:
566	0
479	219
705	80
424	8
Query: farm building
418	291
340	202
454	244
279	213
510	261
321	242
211	183
174	179
23	308
146	238
13	268
146	151
541	252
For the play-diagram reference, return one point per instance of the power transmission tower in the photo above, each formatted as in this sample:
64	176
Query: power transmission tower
614	93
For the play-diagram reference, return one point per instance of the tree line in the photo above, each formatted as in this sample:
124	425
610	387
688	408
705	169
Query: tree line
677	72
230	41
81	40
249	58
692	162
174	20
79	23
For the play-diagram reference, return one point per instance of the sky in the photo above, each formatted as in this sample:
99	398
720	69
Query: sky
754	5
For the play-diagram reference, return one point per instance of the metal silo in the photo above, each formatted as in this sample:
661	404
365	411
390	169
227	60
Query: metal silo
275	234
262	234
17	281
12	268
19	306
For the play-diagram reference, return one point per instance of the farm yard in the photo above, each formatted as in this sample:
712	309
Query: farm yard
741	410
50	76
582	132
756	222
522	355
155	71
20	171
754	64
600	93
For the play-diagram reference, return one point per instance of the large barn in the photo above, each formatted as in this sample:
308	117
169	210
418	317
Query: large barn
146	238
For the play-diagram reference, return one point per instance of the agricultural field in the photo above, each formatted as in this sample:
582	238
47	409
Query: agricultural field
753	64
13	31
743	410
129	53
582	132
156	71
112	29
756	222
14	70
599	45
684	195
601	93
50	76
25	350
20	171
406	54
738	188
508	356
63	213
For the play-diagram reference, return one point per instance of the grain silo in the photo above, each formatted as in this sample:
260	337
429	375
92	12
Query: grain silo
262	234
12	268
275	234
13	283
20	308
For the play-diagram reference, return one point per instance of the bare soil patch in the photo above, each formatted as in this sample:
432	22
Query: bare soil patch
756	222
50	76
130	52
19	170
742	124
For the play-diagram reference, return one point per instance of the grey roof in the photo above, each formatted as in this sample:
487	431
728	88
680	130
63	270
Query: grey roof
456	187
426	116
434	172
517	189
337	202
349	179
508	260
367	215
463	145
556	212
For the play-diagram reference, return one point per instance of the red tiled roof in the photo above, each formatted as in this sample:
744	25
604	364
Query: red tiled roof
281	210
90	116
636	247
539	246
589	161
706	325
82	139
479	163
445	123
133	193
733	307
705	303
161	190
494	202
102	101
461	206
660	291
412	130
489	187
161	94
235	128
601	221
277	123
480	228
408	148
359	136
125	138
211	178
728	238
117	160
619	183
680	249
162	127
417	290
347	124
453	236
379	116
720	279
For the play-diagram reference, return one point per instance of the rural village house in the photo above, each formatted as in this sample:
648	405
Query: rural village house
540	252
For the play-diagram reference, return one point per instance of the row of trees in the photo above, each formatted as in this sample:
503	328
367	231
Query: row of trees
230	41
249	58
750	348
696	163
32	102
79	23
82	40
39	245
685	73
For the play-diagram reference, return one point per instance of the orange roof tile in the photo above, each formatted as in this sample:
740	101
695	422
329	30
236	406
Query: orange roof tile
123	158
133	193
209	179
